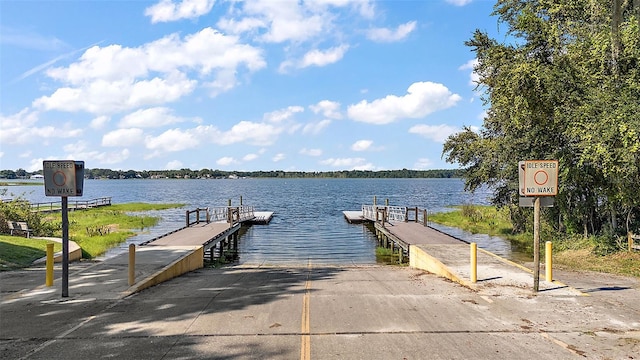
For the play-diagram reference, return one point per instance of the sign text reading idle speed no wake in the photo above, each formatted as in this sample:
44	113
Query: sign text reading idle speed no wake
541	178
63	177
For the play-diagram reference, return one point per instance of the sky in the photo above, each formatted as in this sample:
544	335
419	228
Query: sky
300	85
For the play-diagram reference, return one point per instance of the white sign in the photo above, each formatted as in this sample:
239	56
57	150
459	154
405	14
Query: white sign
63	177
541	178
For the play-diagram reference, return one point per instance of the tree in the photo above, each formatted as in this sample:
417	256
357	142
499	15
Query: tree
564	86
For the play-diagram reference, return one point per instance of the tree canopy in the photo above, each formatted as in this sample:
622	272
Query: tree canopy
563	84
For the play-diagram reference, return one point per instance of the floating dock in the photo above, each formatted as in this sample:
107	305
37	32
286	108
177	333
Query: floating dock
261	217
354	217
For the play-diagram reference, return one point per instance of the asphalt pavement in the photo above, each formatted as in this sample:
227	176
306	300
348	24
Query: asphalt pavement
314	312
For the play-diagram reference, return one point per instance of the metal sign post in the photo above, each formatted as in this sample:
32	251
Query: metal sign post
65	246
64	178
538	183
536	244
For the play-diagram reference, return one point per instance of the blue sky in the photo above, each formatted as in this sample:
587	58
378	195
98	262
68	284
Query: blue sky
258	85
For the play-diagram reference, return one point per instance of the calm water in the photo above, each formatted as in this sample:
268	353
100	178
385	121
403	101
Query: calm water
308	223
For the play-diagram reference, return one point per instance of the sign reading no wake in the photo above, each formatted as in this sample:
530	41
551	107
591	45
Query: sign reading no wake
63	177
540	178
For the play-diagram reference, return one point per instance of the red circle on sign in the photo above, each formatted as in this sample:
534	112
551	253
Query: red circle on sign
539	176
59	178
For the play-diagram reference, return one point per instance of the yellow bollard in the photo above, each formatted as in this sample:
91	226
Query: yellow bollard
132	264
49	274
548	262
474	262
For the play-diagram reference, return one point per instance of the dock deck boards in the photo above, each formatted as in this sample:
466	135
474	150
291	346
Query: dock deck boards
354	217
415	234
261	217
194	235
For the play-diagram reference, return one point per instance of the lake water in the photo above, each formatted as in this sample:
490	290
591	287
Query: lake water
308	223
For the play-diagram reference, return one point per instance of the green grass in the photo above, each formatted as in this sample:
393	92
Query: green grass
21	183
94	230
99	229
18	252
575	252
488	220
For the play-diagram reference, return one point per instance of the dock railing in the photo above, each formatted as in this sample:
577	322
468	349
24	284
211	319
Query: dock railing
230	214
395	213
72	205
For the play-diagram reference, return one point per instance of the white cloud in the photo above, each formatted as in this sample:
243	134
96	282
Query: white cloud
290	20
146	118
474	78
422	99
387	35
16	127
81	150
173	165
311	152
122	137
286	20
351	163
234	26
259	134
226	161
315	57
322	58
329	109
362	145
20	128
316	128
175	140
167	10
116	78
423	164
283	114
438	133
459	2
99	122
250	157
278	157
108	97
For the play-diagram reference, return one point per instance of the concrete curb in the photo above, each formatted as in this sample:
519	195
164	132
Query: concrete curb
75	251
192	261
419	258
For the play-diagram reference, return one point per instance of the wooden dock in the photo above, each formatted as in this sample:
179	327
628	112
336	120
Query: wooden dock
400	227
213	229
54	206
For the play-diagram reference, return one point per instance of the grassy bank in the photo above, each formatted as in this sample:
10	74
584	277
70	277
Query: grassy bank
575	253
17	252
94	230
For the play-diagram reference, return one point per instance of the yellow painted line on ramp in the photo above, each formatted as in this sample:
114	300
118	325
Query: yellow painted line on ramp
305	342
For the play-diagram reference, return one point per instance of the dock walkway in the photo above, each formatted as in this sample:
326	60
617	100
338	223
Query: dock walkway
447	256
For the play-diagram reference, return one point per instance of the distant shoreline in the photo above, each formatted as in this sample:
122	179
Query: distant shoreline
9	175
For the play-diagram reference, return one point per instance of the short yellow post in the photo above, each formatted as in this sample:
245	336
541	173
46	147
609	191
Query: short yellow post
49	274
548	262
474	262
630	240
132	264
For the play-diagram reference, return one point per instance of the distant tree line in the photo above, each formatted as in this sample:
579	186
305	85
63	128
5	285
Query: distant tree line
219	174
